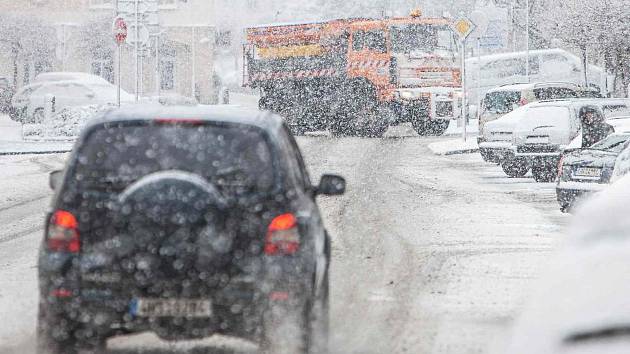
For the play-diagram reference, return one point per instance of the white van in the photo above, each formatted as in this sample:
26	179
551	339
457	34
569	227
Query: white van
545	65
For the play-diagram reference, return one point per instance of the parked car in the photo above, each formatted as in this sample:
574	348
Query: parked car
550	127
580	304
170	99
188	222
69	76
497	146
504	99
31	100
588	170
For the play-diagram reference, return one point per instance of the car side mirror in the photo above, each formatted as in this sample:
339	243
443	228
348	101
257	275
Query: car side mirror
331	185
55	179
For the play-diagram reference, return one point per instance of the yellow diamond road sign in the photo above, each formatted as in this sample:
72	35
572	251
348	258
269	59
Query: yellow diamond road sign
463	27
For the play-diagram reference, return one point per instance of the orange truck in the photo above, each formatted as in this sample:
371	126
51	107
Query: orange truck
357	76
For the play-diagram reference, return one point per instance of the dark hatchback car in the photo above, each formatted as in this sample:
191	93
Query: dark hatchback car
186	222
588	170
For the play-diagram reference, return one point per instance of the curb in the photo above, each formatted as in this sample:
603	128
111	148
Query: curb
461	152
16	153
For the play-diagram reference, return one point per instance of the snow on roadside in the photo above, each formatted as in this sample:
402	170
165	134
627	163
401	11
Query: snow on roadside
455	129
455	146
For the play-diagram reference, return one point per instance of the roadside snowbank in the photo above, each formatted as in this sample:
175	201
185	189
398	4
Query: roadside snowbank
455	147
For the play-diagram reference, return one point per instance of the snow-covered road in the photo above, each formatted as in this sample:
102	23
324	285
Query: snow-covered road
431	254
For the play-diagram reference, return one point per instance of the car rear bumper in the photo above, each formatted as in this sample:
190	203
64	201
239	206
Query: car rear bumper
568	192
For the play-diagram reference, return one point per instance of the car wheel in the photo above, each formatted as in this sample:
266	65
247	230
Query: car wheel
54	334
515	168
319	322
543	173
285	330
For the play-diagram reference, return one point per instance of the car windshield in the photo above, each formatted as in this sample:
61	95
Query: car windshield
614	143
502	102
421	38
237	160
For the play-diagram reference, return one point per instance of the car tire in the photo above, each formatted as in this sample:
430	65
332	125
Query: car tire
515	168
285	330
319	322
52	337
437	128
544	173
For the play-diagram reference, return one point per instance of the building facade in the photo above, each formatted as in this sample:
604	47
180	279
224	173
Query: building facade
76	35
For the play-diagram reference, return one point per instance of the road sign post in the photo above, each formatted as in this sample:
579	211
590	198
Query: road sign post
463	27
120	36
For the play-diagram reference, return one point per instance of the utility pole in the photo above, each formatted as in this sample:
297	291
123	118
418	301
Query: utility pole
527	39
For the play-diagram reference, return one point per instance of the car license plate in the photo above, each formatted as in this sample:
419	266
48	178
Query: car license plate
588	172
538	140
171	308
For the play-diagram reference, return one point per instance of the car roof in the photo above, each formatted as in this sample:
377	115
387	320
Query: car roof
600	102
531	86
220	114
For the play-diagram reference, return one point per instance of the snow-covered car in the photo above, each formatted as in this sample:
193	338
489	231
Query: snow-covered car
170	99
581	303
622	165
20	100
588	170
504	99
497	144
69	76
551	127
32	102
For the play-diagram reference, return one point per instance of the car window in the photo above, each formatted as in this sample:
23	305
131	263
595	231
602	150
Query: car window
236	159
502	102
358	40
552	93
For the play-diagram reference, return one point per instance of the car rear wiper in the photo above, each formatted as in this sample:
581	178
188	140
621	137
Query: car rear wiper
604	333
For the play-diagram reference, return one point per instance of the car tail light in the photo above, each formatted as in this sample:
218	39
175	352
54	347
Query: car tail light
63	233
282	236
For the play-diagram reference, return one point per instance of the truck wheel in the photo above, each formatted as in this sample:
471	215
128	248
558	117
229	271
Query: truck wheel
544	173
420	127
437	127
515	168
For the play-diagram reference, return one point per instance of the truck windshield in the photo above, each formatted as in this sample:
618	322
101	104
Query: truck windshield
423	38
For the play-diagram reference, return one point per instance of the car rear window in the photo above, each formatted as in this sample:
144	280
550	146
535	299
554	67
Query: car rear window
614	143
549	116
235	159
502	102
554	93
